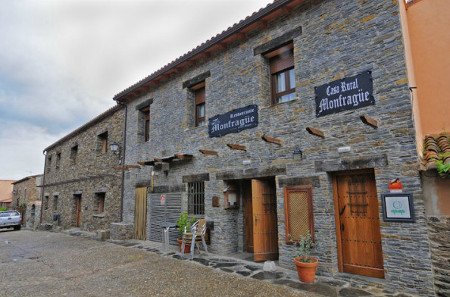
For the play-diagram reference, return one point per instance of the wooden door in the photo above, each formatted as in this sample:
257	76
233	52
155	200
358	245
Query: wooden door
77	210
248	215
358	225
140	213
265	232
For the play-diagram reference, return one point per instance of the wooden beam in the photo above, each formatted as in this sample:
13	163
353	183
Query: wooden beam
183	156
208	152
126	167
238	147
271	139
369	121
315	132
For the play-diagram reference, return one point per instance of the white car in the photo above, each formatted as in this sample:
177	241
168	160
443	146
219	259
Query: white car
10	219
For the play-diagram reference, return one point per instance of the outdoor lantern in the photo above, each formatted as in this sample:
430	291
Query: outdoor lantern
114	147
231	195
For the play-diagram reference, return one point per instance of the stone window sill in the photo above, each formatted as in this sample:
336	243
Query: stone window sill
99	215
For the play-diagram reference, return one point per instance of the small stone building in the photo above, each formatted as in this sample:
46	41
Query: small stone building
27	195
292	121
82	186
6	188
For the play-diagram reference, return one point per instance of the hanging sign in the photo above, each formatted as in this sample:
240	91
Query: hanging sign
345	94
234	121
397	207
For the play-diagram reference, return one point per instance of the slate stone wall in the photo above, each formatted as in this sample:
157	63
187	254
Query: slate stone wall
338	39
439	228
93	172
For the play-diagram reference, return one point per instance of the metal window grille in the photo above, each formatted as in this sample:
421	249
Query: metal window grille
196	198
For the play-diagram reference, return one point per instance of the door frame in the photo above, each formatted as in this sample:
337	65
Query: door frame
337	219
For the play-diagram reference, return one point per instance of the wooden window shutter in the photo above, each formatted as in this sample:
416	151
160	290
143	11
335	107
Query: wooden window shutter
298	212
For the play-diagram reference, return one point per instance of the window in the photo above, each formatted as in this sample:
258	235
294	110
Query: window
200	107
46	202
55	202
196	198
298	212
73	154
102	143
49	163
58	160
145	115
99	206
282	73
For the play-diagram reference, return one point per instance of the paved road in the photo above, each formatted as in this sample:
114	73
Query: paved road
55	264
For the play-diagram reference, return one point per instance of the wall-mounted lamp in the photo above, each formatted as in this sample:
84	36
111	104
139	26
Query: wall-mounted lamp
115	148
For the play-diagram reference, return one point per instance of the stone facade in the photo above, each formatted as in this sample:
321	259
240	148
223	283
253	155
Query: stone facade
81	165
27	193
338	39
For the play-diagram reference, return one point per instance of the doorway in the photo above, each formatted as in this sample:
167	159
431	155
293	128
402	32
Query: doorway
140	213
260	219
358	224
77	210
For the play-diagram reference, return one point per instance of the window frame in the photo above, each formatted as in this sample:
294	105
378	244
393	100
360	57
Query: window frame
196	198
74	153
145	113
287	191
199	91
58	160
55	202
281	61
102	142
99	206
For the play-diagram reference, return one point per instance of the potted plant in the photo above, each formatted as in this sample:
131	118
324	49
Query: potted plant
305	263
184	224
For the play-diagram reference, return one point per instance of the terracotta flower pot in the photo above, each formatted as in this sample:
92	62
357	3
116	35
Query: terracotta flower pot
187	247
306	270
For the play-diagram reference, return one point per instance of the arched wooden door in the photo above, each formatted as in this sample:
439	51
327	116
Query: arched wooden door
357	224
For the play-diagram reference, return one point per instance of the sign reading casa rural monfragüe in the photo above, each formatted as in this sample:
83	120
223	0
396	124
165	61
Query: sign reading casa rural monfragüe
233	121
345	94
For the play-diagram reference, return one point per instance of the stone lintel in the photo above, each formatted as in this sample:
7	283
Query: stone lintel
299	181
375	161
251	173
199	78
196	178
169	189
144	104
77	192
278	41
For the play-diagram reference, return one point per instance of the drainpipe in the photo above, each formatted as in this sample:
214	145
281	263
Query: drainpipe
43	187
124	145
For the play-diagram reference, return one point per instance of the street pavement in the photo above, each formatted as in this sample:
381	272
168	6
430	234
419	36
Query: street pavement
37	263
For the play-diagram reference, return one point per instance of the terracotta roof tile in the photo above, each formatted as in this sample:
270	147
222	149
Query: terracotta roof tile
436	147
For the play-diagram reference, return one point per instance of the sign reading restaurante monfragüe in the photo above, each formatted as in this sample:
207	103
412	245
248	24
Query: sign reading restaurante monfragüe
233	121
345	94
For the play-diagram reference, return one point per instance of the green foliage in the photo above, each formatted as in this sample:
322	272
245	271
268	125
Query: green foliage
3	209
443	169
185	222
305	246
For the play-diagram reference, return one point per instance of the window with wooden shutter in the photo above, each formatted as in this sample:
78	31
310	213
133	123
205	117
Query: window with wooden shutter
282	73
298	212
200	105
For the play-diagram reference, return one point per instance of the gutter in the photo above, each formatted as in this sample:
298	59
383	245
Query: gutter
124	144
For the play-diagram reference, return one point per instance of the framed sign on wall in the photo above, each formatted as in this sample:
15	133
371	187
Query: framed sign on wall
398	207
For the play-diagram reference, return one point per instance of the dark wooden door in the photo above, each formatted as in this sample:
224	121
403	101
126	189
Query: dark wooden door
77	211
140	213
265	231
358	225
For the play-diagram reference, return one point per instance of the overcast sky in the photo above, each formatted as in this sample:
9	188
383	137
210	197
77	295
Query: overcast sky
61	61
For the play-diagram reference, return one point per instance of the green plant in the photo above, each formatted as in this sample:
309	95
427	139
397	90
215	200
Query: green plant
442	169
3	209
185	222
305	246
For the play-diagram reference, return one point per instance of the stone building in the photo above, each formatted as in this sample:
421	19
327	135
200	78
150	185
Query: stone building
27	193
82	186
294	120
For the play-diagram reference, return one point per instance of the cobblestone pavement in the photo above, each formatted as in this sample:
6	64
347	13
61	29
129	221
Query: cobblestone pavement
56	264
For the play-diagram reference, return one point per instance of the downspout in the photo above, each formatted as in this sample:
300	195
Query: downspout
43	187
124	145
